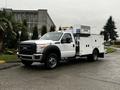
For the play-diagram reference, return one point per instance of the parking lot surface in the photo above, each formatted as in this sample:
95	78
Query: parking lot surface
103	74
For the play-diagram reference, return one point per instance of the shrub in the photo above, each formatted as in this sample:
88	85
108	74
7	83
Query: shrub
9	51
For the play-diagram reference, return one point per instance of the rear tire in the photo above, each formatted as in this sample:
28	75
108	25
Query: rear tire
51	61
26	63
93	57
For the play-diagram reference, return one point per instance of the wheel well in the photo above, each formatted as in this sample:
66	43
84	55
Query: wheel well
55	51
96	50
52	49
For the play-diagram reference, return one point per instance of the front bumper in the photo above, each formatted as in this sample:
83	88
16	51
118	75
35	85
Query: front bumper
34	57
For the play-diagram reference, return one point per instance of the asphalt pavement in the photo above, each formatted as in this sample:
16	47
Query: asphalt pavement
103	74
9	65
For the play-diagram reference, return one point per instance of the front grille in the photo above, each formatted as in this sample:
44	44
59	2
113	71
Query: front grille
27	49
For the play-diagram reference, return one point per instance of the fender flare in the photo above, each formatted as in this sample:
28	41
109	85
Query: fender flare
96	50
51	49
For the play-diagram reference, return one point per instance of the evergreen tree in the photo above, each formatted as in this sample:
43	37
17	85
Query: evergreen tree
35	33
60	28
52	28
109	29
106	35
25	23
44	30
24	34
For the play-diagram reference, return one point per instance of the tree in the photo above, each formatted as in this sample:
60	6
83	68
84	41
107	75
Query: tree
109	29
24	34
43	30
35	33
17	28
52	28
106	35
6	29
60	28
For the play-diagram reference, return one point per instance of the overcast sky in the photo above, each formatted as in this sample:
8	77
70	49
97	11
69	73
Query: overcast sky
73	12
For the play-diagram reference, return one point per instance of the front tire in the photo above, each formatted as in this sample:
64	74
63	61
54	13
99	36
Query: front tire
51	61
26	63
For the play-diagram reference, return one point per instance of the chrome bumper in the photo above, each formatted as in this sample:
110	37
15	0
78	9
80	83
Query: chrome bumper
34	57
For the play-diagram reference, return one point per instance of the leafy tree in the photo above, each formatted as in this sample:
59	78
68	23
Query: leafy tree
6	29
9	30
43	30
52	28
24	34
109	29
17	27
35	33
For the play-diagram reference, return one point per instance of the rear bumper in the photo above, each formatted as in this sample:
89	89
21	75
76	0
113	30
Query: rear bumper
34	57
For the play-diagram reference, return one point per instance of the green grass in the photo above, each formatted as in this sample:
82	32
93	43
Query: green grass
8	57
110	50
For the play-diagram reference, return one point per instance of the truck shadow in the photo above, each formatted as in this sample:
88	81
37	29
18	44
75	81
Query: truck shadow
65	64
80	62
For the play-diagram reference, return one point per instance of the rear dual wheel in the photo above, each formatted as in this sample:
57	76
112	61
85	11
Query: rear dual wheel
94	56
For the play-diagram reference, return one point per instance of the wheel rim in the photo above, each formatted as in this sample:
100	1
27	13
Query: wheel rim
52	62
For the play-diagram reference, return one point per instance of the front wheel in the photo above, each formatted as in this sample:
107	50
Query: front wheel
51	61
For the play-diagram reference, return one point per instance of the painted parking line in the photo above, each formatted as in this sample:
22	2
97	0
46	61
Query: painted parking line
2	61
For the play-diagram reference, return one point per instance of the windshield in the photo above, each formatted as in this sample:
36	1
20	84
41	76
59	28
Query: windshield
55	36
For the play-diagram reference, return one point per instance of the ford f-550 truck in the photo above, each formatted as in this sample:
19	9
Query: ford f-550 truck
52	47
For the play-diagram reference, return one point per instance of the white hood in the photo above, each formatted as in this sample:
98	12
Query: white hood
39	41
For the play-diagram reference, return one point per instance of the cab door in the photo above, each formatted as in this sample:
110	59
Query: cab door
67	46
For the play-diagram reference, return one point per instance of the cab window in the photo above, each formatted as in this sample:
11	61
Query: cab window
67	38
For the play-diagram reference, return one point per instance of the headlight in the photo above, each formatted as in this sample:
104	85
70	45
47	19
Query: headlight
40	47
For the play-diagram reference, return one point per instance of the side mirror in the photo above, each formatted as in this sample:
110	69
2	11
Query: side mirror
63	41
68	40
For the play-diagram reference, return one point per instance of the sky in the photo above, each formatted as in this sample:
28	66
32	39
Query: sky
94	13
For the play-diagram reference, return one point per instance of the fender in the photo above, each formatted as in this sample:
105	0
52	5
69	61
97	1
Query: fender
96	50
99	54
51	49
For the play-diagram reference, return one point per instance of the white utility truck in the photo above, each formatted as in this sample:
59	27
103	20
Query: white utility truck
53	47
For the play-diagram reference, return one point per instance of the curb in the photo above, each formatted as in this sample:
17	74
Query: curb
2	61
7	66
13	61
